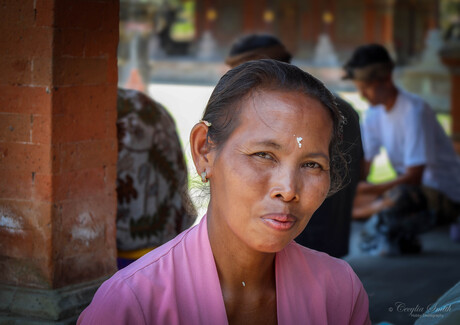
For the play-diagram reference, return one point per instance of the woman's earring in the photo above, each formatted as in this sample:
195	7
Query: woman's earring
208	124
204	179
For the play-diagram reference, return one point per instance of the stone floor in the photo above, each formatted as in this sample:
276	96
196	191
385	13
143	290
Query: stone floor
397	285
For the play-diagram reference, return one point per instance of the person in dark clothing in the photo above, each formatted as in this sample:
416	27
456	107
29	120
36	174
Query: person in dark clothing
329	228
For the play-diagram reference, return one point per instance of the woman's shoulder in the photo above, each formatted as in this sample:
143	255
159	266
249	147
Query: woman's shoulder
150	267
327	271
331	280
142	284
158	259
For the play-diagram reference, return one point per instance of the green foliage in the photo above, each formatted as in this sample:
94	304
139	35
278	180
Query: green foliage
381	171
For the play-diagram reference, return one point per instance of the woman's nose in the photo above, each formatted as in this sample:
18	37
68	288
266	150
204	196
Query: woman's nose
285	185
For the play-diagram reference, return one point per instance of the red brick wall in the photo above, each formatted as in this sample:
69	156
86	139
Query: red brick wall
57	141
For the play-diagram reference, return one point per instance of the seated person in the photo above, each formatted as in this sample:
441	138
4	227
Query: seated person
152	185
266	146
401	122
333	217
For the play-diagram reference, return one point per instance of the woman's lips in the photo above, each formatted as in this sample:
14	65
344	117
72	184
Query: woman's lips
279	221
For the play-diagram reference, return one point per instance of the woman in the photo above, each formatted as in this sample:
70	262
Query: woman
267	144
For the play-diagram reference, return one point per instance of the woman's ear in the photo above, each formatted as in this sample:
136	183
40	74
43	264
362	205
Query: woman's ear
201	149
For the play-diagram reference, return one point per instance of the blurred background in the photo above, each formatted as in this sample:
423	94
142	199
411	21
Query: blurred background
175	50
171	47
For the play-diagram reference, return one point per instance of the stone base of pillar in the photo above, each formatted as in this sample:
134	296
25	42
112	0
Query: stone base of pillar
20	305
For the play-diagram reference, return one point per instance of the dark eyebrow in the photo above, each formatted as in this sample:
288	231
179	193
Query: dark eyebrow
274	145
318	154
268	143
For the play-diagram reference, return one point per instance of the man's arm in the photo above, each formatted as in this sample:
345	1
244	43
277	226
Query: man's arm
365	169
412	176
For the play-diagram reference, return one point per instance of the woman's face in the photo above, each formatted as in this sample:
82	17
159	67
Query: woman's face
272	173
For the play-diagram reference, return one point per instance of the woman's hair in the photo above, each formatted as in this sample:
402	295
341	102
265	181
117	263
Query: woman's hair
224	105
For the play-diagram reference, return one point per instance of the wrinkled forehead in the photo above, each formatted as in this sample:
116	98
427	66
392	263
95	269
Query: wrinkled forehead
274	106
279	100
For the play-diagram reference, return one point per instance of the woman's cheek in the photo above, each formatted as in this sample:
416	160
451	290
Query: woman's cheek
318	185
326	184
256	170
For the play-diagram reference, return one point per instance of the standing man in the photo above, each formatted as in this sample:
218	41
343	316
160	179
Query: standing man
417	146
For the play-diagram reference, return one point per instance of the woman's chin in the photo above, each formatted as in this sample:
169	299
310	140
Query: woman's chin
273	246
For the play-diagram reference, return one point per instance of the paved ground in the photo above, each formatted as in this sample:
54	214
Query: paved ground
407	281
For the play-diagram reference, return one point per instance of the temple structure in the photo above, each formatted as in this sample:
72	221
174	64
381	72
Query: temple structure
400	25
320	34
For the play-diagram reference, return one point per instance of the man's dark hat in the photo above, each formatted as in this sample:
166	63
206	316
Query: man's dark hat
366	59
255	47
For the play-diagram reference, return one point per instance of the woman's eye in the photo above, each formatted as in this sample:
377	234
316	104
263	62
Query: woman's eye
263	155
312	165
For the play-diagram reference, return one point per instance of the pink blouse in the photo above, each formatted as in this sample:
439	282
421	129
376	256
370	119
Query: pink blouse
177	283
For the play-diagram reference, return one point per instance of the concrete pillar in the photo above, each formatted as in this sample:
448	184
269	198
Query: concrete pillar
450	55
58	152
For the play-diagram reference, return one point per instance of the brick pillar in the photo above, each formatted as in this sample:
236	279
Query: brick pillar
369	22
204	16
378	22
431	10
450	55
58	152
253	16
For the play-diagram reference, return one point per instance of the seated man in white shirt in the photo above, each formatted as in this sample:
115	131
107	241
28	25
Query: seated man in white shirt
418	148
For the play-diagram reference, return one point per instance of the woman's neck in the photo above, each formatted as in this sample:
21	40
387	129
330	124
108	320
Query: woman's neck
247	279
244	271
240	267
